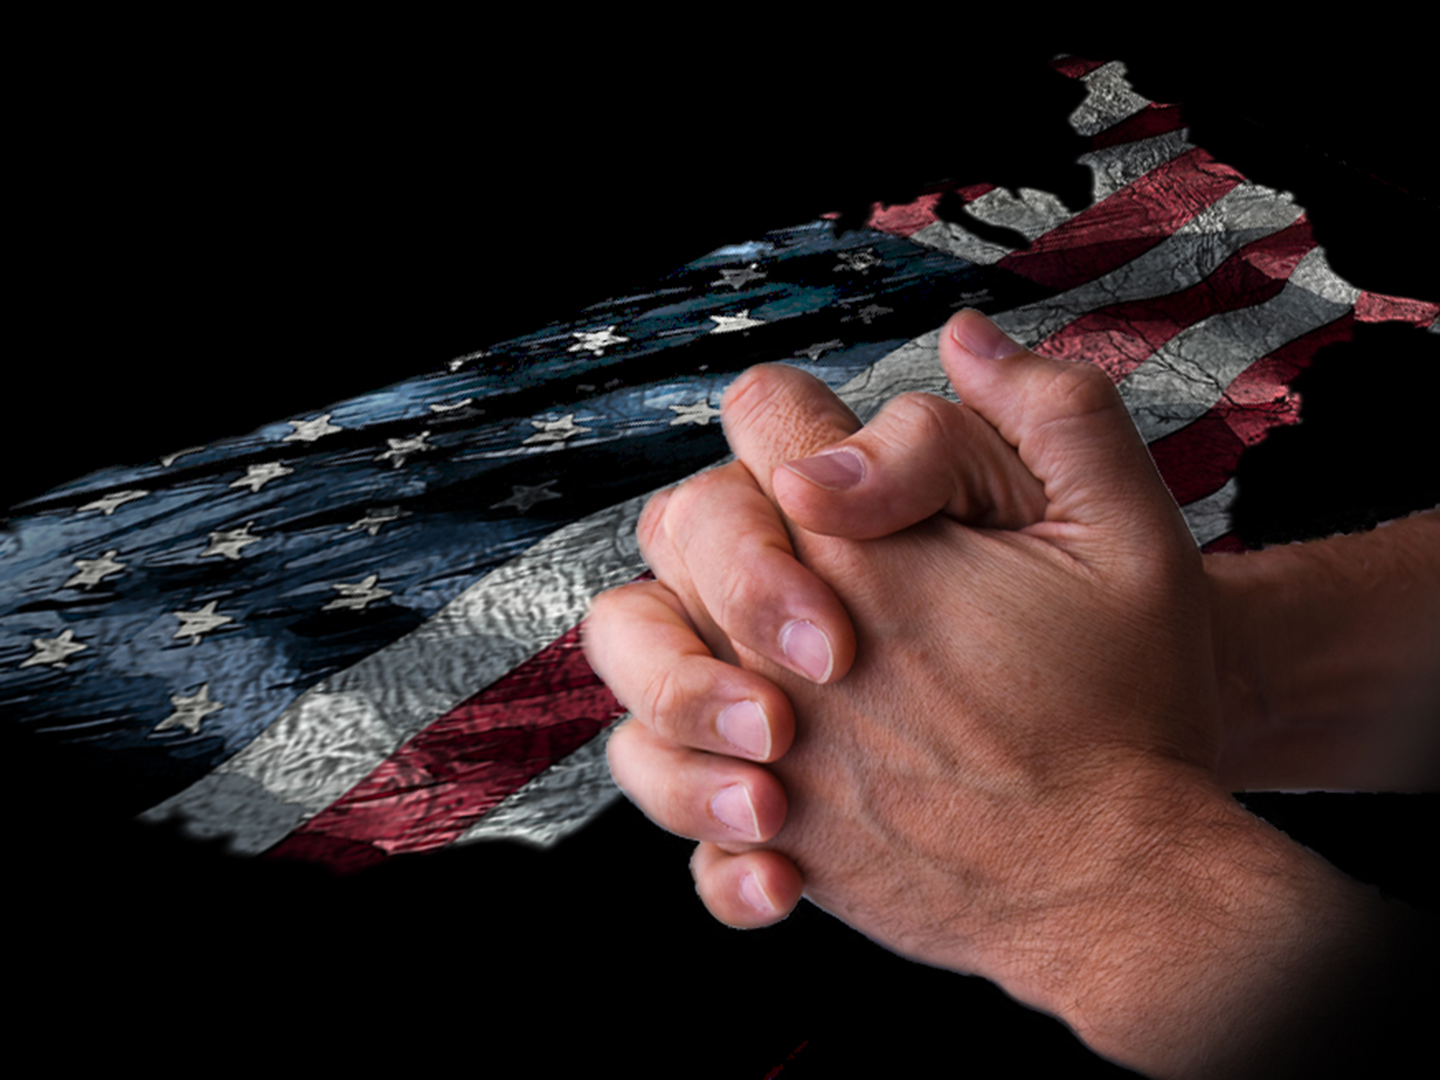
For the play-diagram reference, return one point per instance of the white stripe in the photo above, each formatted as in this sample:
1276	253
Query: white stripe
954	240
1110	100
1032	213
1187	376
556	803
1209	518
1119	166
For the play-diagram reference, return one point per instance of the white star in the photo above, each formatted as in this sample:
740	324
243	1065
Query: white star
814	351
257	476
169	459
195	623
860	261
730	323
555	430
55	650
738	279
526	497
310	430
461	361
400	449
108	504
230	542
374	518
451	408
190	711
699	413
356	596
92	570
597	341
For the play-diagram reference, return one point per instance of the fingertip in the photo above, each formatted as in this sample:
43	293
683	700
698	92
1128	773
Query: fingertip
748	890
837	469
979	337
817	654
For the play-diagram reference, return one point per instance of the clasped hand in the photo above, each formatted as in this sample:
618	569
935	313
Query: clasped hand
1026	702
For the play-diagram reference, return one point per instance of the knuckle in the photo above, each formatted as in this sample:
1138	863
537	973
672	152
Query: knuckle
651	517
738	600
924	417
752	391
662	702
688	502
1078	389
618	745
608	609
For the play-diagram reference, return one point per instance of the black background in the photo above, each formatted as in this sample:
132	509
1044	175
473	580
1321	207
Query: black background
223	226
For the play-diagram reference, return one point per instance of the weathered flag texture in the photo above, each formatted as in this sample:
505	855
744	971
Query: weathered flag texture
354	633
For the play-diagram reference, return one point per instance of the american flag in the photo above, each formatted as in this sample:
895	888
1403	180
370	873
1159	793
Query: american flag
353	633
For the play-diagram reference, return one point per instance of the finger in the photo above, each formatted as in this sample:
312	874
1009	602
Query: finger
754	888
640	643
1072	431
694	794
723	548
919	456
774	413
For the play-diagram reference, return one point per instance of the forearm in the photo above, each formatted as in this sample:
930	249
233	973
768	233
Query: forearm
1233	951
1329	661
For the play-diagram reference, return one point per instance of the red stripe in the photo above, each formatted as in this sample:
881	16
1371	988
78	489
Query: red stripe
909	218
1124	226
1198	459
459	768
1075	67
1377	307
1123	336
1146	124
1229	543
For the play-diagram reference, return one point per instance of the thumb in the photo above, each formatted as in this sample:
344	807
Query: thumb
1071	429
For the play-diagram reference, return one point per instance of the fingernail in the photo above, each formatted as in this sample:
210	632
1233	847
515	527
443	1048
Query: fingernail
808	649
980	337
835	470
732	806
754	895
743	726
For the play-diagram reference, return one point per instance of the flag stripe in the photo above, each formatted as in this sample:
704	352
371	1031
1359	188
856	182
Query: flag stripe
1109	98
1148	122
1377	307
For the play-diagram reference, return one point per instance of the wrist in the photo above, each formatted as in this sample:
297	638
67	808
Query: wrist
1325	662
1216	945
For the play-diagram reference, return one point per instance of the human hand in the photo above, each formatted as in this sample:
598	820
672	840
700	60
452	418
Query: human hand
978	791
